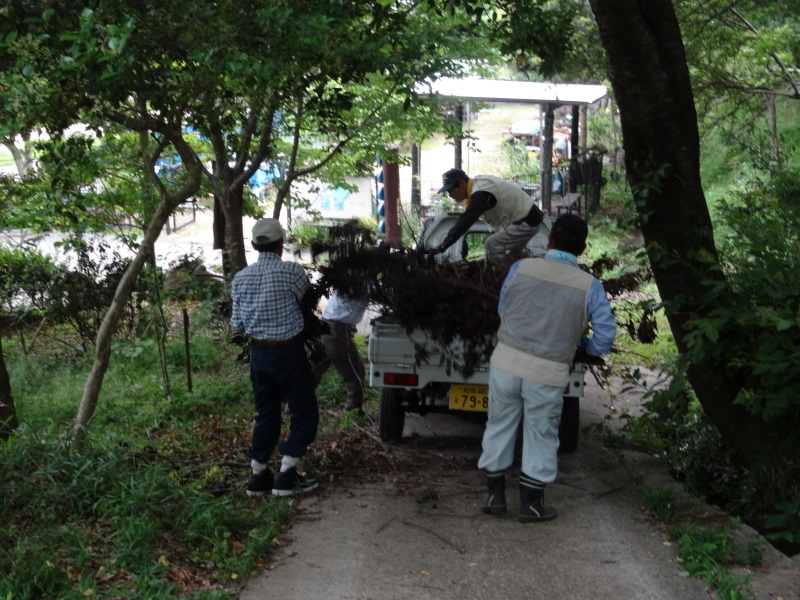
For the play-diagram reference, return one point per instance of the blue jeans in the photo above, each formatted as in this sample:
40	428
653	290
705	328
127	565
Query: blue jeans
282	373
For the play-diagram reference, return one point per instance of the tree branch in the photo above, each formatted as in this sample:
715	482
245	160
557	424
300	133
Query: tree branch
787	77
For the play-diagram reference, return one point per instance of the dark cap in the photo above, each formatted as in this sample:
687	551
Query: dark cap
451	178
569	231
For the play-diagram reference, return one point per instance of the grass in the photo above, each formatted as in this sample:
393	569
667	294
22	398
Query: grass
707	552
6	159
152	504
116	521
488	127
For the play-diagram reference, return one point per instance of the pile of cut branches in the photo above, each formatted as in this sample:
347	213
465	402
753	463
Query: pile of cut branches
454	303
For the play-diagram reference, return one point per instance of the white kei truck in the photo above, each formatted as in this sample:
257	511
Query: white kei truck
414	382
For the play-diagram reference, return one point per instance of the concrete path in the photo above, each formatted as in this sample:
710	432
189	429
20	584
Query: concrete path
417	533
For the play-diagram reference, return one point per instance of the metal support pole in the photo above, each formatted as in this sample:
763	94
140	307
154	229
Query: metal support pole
186	349
546	158
391	202
416	188
458	140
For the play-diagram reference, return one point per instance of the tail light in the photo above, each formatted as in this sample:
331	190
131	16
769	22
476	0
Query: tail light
404	379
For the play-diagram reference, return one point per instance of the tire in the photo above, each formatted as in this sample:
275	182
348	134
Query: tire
570	427
391	415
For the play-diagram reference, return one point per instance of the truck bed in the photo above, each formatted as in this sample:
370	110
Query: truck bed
394	351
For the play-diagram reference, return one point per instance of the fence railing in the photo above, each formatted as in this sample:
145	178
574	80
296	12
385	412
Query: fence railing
182	216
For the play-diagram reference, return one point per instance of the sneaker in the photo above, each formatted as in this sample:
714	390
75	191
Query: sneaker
260	483
288	483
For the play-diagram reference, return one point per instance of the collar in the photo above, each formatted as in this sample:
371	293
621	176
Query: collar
469	192
561	256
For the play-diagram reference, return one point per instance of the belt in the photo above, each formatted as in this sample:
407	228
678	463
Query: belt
274	342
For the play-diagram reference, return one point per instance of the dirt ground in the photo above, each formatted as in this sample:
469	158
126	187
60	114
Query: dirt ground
402	521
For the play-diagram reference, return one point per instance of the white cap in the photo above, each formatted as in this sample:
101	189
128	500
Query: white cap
267	231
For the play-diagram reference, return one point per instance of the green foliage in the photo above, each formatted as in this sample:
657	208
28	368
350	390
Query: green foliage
752	334
24	281
187	279
708	554
521	166
306	236
603	129
758	322
737	50
784	526
110	518
660	500
145	507
74	295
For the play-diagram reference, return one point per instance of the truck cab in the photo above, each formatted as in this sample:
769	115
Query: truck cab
469	246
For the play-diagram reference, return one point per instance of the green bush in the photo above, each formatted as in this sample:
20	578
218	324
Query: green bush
24	280
754	328
707	553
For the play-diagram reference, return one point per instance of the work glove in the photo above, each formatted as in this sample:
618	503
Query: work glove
582	356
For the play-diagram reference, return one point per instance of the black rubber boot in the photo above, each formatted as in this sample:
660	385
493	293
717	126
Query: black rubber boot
531	501
496	503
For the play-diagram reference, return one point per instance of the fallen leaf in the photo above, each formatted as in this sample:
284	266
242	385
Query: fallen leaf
667	543
88	592
313	565
424	572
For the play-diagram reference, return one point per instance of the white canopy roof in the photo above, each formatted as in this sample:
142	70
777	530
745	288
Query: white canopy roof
518	92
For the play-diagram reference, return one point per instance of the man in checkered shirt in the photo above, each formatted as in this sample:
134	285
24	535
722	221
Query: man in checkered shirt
267	298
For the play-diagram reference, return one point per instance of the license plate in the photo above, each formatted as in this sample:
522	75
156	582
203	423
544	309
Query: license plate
469	397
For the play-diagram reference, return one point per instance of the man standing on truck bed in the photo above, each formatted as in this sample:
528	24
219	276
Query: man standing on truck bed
512	214
267	298
544	308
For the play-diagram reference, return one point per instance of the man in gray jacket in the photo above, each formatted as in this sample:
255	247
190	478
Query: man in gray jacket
545	306
511	213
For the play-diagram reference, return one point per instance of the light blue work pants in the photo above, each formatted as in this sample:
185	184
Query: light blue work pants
511	400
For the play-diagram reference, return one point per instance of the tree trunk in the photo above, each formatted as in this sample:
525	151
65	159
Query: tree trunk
105	333
772	114
232	206
650	78
169	202
23	159
218	231
8	413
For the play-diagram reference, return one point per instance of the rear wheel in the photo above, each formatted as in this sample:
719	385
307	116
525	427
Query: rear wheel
570	426
391	415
